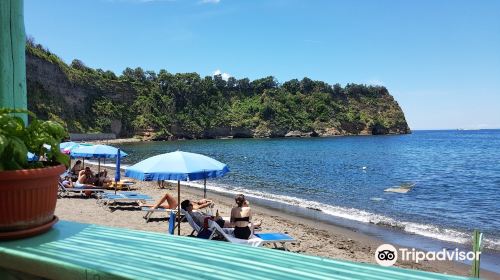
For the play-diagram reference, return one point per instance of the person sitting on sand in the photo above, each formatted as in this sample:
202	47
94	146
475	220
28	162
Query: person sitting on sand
171	203
198	217
240	218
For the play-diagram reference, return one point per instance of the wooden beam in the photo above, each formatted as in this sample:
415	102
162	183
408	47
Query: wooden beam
13	92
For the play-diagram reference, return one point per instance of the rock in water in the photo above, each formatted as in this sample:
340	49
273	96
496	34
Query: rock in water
404	188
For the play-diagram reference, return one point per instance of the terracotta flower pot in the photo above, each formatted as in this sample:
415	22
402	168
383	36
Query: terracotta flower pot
28	198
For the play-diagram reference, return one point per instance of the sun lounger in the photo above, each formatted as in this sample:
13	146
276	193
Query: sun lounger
191	222
196	228
150	211
63	191
111	199
120	185
255	240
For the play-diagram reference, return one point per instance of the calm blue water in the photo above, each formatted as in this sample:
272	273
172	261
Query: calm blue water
456	176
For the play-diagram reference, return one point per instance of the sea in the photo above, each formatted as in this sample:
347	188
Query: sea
453	177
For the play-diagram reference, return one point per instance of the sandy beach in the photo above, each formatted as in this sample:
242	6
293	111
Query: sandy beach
316	237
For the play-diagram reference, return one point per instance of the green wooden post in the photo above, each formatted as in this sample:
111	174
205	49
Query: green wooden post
12	56
476	248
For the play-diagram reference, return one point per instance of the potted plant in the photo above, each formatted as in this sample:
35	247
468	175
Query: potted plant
28	189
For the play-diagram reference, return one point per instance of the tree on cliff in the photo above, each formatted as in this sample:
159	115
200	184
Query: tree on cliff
187	105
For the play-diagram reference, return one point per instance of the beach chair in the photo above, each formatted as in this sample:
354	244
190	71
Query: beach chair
191	222
63	191
196	228
110	199
255	240
150	212
120	185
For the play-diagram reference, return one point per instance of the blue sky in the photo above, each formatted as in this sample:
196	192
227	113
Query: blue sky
440	59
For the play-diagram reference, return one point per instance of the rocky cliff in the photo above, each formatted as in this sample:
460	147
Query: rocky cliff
173	106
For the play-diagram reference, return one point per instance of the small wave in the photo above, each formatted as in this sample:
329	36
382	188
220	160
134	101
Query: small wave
431	231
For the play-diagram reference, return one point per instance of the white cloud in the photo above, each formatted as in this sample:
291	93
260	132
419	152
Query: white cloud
225	76
210	1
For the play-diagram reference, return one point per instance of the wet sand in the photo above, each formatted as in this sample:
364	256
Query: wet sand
316	237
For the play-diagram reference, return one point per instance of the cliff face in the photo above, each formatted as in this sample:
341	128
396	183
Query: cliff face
54	93
168	106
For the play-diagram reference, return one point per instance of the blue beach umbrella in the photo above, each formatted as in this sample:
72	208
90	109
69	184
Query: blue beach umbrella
96	151
180	166
65	145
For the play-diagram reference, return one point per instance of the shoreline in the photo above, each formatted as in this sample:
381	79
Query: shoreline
136	140
362	245
317	237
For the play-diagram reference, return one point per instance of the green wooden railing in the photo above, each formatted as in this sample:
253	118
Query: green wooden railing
84	251
12	56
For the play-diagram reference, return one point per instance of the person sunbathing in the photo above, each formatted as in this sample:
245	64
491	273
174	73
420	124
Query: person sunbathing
200	218
102	179
67	183
169	202
85	179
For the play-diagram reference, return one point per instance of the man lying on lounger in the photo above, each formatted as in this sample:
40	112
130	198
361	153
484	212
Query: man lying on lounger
171	203
199	218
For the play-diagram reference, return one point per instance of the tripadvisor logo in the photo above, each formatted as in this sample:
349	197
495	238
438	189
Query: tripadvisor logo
387	255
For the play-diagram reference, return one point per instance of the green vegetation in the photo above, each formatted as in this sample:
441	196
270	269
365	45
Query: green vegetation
185	105
16	140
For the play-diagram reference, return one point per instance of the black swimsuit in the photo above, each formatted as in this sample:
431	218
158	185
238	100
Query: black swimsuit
242	232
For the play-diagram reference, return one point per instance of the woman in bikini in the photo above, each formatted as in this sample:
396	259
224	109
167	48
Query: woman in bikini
240	218
169	202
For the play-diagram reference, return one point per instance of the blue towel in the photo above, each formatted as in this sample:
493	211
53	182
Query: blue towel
171	223
274	236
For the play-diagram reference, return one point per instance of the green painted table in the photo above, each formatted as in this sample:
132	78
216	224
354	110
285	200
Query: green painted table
85	251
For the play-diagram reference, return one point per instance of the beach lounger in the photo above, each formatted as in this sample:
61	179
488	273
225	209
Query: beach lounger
110	199
255	240
63	191
120	185
150	212
196	228
191	222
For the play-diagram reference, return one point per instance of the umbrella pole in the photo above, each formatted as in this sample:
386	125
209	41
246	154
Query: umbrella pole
179	206
98	165
205	187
